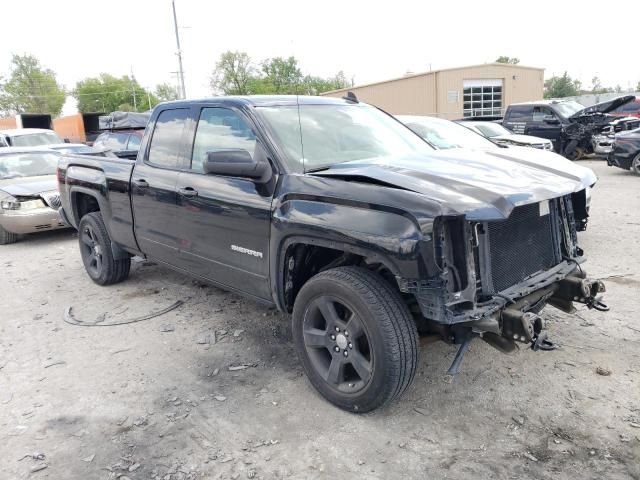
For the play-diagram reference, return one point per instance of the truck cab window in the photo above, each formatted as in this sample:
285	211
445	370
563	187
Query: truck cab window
166	141
134	142
220	129
519	113
539	113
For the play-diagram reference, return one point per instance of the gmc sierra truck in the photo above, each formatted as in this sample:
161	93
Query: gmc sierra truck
333	211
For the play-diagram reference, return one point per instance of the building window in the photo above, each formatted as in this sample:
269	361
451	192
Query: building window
482	98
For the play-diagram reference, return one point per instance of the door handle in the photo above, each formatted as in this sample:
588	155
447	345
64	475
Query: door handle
188	192
141	183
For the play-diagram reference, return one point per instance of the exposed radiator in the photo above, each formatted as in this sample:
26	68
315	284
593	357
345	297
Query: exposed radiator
520	246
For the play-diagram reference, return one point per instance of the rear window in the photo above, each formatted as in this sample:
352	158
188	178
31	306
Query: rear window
134	142
519	113
36	139
16	165
166	142
115	141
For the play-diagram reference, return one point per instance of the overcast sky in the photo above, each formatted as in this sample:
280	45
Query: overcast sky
368	40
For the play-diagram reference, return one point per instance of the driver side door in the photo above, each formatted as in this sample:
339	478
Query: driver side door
224	222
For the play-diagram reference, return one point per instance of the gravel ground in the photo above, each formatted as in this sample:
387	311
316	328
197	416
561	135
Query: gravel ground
213	388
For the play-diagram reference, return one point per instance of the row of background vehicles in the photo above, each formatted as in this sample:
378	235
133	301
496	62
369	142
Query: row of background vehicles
610	129
29	199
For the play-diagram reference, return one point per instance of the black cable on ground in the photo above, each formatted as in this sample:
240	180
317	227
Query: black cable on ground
71	320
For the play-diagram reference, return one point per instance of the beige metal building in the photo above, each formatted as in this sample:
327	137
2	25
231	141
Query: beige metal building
478	90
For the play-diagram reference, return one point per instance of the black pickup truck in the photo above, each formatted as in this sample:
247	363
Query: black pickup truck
571	127
332	210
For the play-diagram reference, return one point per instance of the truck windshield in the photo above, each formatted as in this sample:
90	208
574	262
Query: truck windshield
444	134
329	134
36	139
28	164
568	108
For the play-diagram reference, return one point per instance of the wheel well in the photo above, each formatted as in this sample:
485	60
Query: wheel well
303	261
83	204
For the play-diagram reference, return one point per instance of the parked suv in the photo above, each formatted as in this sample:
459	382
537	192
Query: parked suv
569	125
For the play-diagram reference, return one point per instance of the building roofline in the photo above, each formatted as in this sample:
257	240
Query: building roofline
422	74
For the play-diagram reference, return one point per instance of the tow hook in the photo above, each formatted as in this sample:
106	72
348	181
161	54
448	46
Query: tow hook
581	290
521	326
540	342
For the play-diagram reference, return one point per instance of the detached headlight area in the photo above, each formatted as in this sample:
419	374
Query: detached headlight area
10	204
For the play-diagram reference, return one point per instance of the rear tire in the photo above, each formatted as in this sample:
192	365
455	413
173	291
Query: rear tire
355	337
95	249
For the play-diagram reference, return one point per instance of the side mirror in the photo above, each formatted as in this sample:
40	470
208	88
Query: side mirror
551	120
66	140
127	154
237	162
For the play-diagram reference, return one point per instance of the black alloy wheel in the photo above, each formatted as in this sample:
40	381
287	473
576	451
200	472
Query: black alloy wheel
355	337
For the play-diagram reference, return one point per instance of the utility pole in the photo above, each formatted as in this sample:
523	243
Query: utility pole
133	91
179	52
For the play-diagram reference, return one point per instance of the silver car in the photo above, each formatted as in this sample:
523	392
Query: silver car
499	134
29	198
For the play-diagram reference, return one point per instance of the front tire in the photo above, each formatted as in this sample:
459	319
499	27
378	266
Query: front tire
356	338
95	249
635	165
7	237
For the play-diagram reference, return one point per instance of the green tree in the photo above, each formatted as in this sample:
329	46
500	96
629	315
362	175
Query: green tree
313	85
236	75
561	86
233	74
281	75
505	59
166	92
31	88
638	86
596	86
107	93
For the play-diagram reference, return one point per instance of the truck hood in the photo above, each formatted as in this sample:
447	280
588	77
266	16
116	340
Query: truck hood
481	184
28	186
605	107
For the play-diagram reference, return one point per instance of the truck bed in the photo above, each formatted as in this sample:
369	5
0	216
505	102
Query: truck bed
108	180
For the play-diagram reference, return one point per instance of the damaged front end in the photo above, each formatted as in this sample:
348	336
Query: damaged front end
496	276
586	132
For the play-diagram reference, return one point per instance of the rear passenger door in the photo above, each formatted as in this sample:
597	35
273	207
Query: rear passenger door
153	186
518	117
224	222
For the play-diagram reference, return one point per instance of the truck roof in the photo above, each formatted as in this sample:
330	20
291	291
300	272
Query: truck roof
542	102
267	100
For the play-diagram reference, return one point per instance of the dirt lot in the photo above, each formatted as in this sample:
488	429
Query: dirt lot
170	398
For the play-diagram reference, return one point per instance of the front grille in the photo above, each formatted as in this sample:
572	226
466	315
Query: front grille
520	246
52	199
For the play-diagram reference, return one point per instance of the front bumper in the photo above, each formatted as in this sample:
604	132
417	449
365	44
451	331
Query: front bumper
31	221
602	144
618	161
512	316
